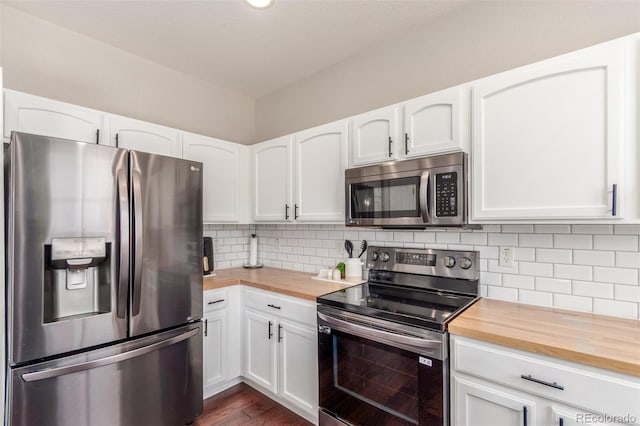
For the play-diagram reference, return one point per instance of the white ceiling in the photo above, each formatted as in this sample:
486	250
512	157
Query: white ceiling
233	45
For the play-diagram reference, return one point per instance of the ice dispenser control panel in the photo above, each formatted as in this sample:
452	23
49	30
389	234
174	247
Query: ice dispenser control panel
447	194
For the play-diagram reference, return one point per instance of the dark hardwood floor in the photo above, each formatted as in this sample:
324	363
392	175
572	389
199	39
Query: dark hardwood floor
243	405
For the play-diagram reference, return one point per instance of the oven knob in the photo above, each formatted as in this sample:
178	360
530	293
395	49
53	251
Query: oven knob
449	262
384	256
465	263
374	256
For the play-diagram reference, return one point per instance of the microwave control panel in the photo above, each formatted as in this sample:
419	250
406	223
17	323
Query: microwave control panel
447	194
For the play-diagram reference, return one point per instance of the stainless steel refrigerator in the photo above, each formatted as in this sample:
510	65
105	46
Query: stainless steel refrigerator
104	285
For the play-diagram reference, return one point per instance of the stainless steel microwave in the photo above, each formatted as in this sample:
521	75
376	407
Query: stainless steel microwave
420	193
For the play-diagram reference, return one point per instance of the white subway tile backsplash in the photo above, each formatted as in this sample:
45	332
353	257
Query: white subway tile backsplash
580	267
629	293
573	241
615	242
536	240
535	297
575	303
573	272
508	240
594	257
626	229
553	285
502	293
616	275
536	269
552	229
615	307
518	281
628	260
554	255
593	289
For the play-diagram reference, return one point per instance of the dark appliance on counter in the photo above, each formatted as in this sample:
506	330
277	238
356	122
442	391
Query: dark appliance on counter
383	345
104	285
207	258
420	193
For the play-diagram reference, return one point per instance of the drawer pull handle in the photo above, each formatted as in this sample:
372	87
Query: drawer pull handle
273	306
542	382
215	301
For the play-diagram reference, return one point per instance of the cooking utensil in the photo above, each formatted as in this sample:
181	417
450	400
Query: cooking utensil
363	247
348	246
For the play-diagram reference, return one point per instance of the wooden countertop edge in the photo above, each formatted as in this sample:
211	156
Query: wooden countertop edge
262	286
593	360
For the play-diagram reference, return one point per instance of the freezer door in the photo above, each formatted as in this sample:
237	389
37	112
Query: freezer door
166	274
67	207
154	380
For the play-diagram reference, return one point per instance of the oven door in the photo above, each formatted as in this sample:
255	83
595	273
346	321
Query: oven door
398	199
378	375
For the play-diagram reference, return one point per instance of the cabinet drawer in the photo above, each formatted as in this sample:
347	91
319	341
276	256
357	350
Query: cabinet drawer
215	299
283	306
584	387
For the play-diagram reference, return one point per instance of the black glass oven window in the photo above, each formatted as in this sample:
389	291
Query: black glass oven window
390	198
381	376
447	194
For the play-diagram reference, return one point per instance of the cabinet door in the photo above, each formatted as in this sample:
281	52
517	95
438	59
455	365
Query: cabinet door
215	344
478	403
547	139
146	137
298	366
260	349
320	161
221	175
42	116
562	415
434	123
272	178
374	136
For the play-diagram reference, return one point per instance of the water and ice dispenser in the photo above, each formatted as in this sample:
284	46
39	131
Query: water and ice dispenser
77	278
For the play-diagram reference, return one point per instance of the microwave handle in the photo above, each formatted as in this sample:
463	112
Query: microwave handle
424	196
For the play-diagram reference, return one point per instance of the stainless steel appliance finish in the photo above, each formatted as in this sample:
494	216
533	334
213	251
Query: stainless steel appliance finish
103	245
383	345
118	385
425	192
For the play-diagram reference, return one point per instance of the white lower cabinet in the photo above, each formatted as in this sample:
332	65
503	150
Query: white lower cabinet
498	386
261	349
482	404
222	365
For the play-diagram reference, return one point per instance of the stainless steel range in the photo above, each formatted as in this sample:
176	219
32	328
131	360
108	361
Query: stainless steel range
383	345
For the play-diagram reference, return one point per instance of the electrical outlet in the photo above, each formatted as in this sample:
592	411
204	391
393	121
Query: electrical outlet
340	248
277	245
506	256
218	243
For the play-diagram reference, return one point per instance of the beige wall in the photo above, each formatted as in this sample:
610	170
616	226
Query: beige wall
47	60
471	42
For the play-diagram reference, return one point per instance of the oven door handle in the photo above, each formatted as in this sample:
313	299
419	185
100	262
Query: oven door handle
424	196
378	335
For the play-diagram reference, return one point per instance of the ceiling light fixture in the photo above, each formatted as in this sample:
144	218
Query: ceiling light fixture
260	4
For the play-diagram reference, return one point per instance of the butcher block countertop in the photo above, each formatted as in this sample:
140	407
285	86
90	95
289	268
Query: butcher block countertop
291	283
597	340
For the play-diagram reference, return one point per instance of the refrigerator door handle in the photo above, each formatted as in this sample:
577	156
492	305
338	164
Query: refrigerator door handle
61	371
123	238
137	221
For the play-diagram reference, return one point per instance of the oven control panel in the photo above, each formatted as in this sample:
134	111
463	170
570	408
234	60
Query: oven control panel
444	263
446	194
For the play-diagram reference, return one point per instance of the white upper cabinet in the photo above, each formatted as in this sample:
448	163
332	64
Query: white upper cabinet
320	161
224	168
375	136
142	136
272	180
436	122
547	139
42	116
